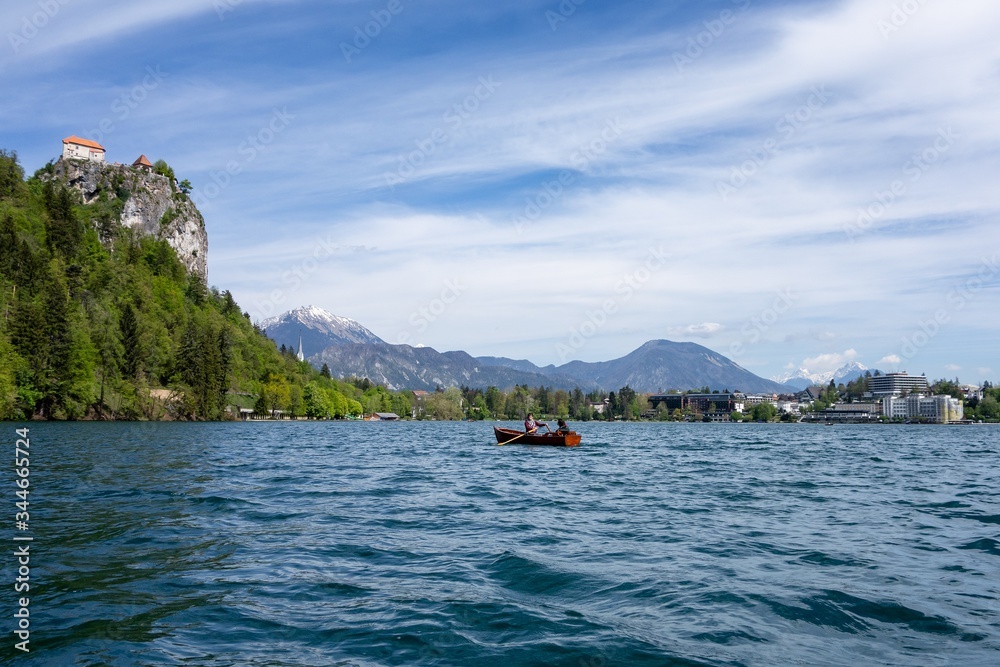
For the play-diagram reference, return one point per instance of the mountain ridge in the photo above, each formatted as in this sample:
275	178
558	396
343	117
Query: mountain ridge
658	365
318	328
351	350
803	378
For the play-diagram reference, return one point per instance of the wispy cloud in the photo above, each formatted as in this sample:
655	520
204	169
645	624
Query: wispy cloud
703	330
748	105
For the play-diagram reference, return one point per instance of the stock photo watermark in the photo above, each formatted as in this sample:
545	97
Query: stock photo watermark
701	42
595	320
301	272
223	7
430	312
786	127
248	151
900	16
551	190
126	103
409	164
370	30
753	330
957	298
563	12
32	24
914	168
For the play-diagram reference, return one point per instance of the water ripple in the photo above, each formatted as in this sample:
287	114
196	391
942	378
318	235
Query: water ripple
426	544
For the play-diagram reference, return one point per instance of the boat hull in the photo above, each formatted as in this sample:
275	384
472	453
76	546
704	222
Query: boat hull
505	435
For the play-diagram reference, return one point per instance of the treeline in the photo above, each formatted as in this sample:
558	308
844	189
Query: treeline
544	402
986	409
99	322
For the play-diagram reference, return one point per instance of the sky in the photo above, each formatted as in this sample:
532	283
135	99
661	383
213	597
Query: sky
791	184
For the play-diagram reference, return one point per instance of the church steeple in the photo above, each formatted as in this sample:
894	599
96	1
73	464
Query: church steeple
300	356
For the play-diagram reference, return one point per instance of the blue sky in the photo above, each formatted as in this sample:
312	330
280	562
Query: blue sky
790	184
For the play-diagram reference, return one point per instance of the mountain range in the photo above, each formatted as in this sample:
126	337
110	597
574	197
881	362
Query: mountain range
318	328
349	349
803	378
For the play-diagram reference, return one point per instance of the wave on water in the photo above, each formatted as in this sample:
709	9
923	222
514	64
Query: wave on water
426	544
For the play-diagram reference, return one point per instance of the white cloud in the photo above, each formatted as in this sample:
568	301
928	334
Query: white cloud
654	184
891	360
825	363
703	330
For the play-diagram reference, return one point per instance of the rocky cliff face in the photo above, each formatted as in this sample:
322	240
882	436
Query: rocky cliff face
153	205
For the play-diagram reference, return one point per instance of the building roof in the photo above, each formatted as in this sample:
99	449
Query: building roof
142	161
812	393
83	142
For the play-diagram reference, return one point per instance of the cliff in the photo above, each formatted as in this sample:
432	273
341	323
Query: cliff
147	202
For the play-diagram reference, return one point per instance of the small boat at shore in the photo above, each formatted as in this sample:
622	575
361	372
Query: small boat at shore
509	435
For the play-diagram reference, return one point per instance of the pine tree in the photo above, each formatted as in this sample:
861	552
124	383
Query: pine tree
128	329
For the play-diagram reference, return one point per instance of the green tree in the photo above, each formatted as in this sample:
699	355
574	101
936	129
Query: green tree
988	408
128	328
11	176
948	387
276	394
495	401
163	169
763	412
9	363
446	405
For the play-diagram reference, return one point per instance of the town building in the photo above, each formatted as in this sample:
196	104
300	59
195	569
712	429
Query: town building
751	400
897	384
789	406
142	162
77	148
599	407
701	404
871	408
937	409
809	394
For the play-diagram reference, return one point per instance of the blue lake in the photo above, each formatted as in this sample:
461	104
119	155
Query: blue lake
427	544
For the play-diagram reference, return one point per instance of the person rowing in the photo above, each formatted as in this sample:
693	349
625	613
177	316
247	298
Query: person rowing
530	425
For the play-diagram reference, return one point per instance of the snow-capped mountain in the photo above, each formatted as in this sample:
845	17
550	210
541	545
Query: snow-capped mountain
802	378
319	330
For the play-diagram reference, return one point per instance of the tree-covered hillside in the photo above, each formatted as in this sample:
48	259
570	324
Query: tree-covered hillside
97	321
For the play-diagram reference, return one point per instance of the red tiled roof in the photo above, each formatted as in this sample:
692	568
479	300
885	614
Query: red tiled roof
83	142
142	161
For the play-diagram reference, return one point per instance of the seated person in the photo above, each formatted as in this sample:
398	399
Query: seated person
530	425
563	428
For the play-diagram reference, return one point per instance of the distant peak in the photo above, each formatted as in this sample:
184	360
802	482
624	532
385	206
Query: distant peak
313	318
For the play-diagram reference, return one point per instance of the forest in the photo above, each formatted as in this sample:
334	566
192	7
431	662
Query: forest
100	322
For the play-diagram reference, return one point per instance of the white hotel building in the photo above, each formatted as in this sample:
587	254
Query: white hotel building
894	384
938	409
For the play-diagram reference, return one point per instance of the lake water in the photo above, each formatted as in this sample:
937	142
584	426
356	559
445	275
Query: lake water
427	544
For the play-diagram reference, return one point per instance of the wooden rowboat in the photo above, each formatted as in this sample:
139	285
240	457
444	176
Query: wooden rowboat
505	435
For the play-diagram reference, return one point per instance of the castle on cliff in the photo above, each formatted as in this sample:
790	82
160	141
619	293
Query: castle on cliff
78	148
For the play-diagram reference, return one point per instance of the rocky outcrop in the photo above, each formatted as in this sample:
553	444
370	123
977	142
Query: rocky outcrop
151	204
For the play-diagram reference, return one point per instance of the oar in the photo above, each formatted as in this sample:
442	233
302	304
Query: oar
501	444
